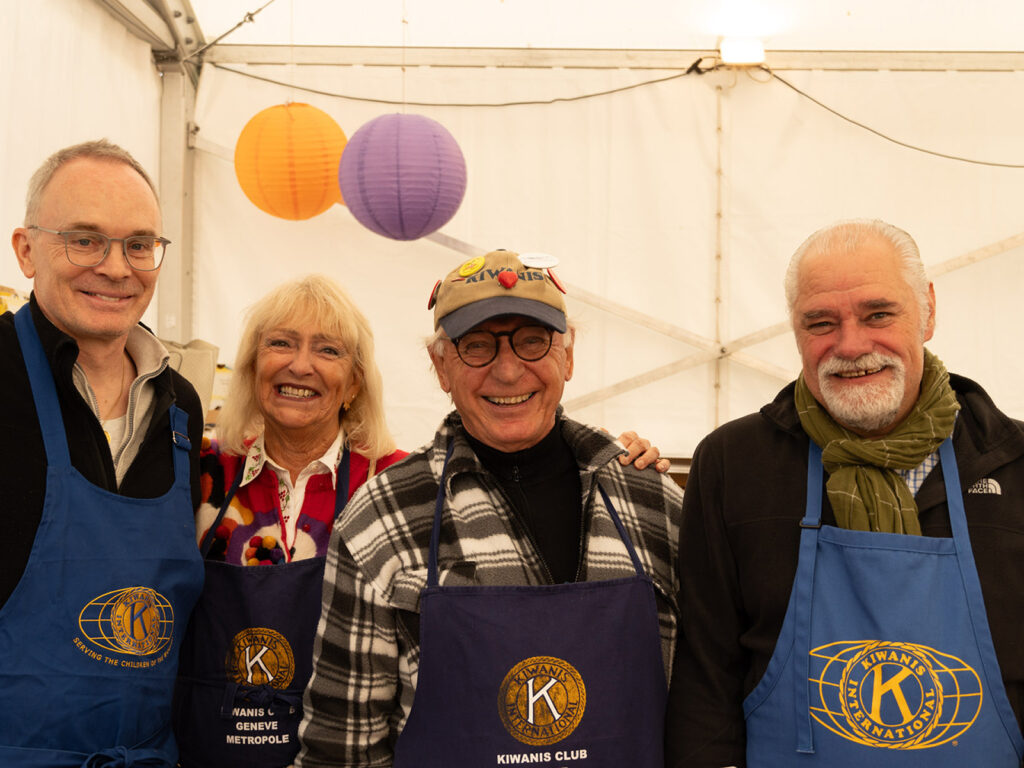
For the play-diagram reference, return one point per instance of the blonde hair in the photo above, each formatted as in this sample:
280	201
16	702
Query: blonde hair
318	301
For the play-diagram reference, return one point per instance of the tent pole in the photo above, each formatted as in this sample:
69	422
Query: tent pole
174	289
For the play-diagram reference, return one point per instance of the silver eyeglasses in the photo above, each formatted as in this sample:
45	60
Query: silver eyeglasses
479	348
87	249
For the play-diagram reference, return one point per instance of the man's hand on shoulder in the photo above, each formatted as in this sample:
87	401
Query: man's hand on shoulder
640	453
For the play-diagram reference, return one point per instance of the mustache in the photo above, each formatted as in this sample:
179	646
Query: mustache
867	362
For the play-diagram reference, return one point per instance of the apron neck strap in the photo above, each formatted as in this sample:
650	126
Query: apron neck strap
44	391
435	532
207	542
815	484
182	446
622	533
954	497
803	588
341	483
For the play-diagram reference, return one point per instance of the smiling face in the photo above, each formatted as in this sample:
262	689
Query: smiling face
861	337
101	303
303	378
508	404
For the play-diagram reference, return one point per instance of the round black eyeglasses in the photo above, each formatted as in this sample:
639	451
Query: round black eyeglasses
479	348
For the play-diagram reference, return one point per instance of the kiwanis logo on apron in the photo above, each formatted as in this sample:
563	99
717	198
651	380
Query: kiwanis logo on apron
541	700
893	695
260	656
135	620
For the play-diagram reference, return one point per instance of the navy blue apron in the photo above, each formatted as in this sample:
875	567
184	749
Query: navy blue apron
248	655
885	656
89	638
567	674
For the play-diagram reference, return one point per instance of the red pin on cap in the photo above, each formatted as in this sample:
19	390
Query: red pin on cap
433	295
555	281
508	279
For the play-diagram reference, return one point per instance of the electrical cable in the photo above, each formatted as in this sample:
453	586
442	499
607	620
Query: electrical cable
247	18
884	136
696	68
397	102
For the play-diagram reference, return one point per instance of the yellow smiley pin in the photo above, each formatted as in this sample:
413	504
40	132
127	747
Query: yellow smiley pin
471	267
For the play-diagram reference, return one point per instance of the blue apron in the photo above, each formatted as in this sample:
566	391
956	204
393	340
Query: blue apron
247	656
89	637
885	656
565	675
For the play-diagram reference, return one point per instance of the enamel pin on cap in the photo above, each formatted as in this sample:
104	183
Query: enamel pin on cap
496	284
538	260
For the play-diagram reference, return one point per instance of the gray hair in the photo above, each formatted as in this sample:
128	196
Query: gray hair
850	234
99	149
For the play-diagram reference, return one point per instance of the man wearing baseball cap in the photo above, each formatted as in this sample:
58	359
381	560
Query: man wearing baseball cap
507	593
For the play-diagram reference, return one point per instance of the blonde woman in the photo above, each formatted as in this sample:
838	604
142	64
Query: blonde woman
302	427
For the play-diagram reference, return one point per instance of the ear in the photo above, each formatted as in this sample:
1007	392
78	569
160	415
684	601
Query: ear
442	376
929	326
353	389
23	250
568	354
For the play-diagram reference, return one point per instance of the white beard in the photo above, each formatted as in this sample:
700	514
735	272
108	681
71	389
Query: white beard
866	408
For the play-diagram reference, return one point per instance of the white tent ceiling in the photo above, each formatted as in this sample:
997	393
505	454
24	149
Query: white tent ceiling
672	204
858	25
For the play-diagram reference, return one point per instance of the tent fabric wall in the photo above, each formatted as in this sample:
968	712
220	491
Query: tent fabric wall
678	202
623	189
568	180
70	73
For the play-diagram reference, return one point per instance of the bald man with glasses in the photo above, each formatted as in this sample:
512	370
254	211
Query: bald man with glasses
100	466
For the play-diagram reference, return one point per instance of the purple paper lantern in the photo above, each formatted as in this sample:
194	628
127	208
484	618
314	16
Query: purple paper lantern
402	176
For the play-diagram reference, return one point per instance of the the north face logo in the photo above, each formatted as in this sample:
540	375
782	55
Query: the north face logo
986	485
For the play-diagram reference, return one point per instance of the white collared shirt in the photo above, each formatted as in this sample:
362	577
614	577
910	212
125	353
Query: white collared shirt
291	496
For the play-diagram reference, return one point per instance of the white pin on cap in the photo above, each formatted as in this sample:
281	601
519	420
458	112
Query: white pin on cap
538	260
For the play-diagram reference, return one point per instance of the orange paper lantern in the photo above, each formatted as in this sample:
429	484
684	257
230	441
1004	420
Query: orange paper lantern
286	160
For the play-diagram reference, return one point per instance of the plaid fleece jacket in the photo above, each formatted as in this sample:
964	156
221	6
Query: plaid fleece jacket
366	655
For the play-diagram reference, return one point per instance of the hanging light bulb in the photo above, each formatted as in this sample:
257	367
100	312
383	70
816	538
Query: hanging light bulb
741	52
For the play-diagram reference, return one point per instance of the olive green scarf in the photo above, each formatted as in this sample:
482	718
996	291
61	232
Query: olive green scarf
865	491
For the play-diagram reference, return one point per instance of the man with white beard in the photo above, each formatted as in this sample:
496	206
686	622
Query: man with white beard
852	556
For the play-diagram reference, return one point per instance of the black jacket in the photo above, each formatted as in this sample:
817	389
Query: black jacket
23	458
739	546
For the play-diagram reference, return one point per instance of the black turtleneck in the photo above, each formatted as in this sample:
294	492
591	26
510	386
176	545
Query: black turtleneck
543	485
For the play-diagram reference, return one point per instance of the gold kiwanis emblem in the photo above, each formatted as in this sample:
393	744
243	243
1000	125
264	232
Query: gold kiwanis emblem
541	700
260	656
893	695
136	620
